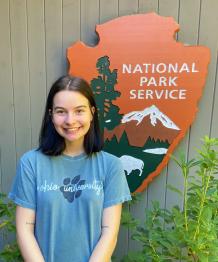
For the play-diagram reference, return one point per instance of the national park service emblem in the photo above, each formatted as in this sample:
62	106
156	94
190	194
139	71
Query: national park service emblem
147	87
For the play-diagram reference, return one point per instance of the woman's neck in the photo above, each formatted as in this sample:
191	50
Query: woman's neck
73	149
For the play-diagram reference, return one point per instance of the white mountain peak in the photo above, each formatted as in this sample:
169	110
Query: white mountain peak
154	114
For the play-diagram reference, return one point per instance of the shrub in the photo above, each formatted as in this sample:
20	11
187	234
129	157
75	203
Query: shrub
190	234
10	252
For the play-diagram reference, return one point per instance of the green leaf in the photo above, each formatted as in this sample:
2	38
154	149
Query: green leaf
206	214
174	189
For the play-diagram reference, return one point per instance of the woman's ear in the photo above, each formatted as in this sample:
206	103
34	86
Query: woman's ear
50	114
92	111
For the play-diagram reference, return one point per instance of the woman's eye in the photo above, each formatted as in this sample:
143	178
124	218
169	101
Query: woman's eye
60	112
80	111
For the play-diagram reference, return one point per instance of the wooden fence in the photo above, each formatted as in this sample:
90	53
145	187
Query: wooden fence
34	38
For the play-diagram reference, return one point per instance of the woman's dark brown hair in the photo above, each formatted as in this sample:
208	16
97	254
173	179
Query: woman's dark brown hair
50	142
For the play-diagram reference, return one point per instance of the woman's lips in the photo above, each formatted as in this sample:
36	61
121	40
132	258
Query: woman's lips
71	130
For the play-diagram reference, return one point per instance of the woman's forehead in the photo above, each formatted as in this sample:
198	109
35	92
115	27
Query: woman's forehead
71	99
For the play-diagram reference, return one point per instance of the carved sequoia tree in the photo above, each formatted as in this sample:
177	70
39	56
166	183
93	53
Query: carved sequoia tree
103	89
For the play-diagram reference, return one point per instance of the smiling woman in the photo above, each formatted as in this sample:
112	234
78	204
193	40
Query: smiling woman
72	116
70	113
68	191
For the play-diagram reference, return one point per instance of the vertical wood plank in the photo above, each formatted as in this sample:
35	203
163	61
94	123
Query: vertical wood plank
122	242
37	74
138	212
214	125
53	41
188	22
157	188
146	6
188	34
71	26
169	8
89	19
127	7
7	127
1	235
19	43
208	25
108	10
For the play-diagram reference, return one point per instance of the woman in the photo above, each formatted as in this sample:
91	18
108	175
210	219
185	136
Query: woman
68	192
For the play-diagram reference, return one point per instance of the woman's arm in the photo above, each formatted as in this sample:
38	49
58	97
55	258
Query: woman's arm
25	220
110	228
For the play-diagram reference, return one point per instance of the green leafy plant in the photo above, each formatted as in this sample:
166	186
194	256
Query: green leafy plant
188	234
11	252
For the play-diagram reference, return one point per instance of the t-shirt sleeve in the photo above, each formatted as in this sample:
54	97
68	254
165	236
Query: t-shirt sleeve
116	189
23	192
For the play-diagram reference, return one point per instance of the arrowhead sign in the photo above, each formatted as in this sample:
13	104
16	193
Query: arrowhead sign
147	87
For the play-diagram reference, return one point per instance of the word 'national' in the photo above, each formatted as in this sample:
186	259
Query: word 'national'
159	68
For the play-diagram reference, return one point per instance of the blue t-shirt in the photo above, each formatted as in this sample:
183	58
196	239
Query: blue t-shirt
68	195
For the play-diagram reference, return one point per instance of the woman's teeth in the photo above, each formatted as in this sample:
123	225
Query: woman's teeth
72	129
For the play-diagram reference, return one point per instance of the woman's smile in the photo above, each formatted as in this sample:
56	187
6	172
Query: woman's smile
72	131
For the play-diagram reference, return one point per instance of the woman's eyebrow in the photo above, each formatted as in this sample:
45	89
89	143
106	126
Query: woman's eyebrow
80	106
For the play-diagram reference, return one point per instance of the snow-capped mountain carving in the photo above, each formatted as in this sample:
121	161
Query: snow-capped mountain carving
154	114
140	125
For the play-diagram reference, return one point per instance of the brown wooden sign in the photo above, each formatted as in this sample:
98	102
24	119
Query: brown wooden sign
147	87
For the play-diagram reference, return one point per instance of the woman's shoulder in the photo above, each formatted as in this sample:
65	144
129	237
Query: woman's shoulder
31	155
105	154
111	164
109	158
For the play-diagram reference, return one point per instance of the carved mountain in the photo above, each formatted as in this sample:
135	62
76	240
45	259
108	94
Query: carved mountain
140	125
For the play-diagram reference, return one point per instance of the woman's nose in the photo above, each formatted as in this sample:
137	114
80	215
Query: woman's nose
70	118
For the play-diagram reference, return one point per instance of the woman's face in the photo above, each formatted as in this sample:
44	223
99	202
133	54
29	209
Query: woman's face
71	116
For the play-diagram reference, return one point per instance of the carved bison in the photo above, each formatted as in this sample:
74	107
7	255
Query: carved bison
131	163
